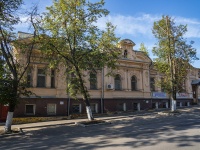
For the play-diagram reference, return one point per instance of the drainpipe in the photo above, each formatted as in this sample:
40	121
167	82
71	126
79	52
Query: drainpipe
127	80
102	90
68	113
68	93
151	64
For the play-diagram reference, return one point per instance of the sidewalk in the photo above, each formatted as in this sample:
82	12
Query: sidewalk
122	116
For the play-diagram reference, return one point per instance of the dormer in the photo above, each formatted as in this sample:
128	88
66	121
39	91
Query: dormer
126	46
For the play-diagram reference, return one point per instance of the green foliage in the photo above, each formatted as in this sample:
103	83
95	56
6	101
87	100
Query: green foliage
173	52
8	17
144	49
12	70
75	40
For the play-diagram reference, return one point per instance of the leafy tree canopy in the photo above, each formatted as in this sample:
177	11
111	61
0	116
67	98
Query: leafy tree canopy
174	53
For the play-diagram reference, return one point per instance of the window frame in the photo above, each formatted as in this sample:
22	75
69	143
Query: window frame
118	82
41	75
125	53
55	109
52	78
135	83
93	81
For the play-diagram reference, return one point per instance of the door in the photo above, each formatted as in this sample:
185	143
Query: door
3	113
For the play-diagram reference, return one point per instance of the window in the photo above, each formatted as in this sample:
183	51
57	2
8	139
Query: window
117	82
51	109
133	83
162	85
136	106
152	84
121	107
76	108
93	81
125	53
29	78
52	78
94	108
41	78
30	109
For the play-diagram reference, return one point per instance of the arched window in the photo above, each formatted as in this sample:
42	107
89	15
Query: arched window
93	81
133	83
125	53
117	82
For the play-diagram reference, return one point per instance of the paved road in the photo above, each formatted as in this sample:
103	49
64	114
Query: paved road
150	132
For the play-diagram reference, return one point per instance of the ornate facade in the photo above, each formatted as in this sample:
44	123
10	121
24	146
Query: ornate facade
131	87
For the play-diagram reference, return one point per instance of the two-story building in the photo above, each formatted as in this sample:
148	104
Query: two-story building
131	87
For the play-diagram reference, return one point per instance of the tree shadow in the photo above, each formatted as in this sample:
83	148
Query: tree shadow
135	132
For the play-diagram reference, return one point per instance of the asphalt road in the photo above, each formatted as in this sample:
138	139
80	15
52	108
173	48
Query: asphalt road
151	132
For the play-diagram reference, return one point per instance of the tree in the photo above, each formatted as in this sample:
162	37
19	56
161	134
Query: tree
144	49
174	55
12	72
71	35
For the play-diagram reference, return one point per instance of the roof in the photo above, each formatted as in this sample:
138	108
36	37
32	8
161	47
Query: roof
127	41
195	82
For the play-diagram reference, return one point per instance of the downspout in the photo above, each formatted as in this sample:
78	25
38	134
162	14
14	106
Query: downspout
127	80
68	113
102	91
68	93
150	65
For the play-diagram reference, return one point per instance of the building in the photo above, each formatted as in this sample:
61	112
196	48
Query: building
131	88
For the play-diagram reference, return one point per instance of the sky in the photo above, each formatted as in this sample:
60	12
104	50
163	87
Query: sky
134	19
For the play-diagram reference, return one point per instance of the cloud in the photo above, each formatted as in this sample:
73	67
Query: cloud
142	25
23	23
129	25
193	26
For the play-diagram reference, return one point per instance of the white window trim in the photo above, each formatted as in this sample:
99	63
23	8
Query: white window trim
124	106
80	108
96	108
138	106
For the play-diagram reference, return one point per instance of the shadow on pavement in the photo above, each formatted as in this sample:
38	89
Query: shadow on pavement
131	133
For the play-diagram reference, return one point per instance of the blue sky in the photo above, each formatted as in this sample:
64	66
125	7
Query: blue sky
134	19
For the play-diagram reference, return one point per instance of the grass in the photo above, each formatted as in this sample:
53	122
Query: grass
35	119
24	120
92	122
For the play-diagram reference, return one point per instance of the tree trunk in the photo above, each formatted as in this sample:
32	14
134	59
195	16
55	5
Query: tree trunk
8	122
84	92
88	108
173	105
9	118
173	100
89	113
